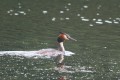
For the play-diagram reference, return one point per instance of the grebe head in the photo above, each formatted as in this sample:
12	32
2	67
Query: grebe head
68	36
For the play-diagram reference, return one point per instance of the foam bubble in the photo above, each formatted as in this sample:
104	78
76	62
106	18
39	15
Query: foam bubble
19	3
45	12
115	22
10	11
19	6
85	19
107	21
85	6
61	18
105	47
78	14
67	18
90	24
28	9
118	19
94	19
98	22
53	19
98	14
67	9
61	11
99	7
82	17
69	4
16	14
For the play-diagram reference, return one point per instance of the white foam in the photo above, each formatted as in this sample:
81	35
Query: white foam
107	21
53	19
62	70
78	14
19	3
71	69
115	22
98	22
90	24
105	47
85	19
61	18
16	14
45	12
67	18
87	71
94	19
12	12
99	7
67	9
29	9
43	53
9	11
61	11
85	6
81	8
22	12
69	4
98	14
118	19
19	6
82	17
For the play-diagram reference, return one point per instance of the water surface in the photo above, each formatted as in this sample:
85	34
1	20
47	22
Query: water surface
31	25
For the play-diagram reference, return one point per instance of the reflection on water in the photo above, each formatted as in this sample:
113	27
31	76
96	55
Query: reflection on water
33	25
62	78
14	67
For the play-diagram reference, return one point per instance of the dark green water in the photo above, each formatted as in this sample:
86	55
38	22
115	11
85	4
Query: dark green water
34	24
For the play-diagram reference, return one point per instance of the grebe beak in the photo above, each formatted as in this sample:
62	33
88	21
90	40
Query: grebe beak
69	37
72	39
